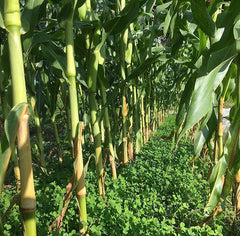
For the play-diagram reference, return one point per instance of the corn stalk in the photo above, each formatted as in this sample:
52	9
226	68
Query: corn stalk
28	199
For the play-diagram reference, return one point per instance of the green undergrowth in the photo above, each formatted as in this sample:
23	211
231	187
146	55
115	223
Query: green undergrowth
160	194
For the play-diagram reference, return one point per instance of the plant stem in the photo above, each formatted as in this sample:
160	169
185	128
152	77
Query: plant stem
123	48
220	126
136	121
28	199
108	132
60	159
39	132
76	126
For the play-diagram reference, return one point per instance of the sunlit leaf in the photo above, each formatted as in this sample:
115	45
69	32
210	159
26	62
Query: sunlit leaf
201	101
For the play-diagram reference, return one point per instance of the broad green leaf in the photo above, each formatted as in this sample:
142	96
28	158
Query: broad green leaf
144	66
30	14
216	184
11	126
212	124
185	100
169	17
201	101
202	17
202	42
229	16
55	56
233	152
53	89
40	37
126	17
162	7
202	134
199	140
172	24
227	21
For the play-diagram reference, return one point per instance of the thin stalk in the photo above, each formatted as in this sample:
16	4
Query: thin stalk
123	51
128	59
59	149
28	199
108	132
136	121
97	140
238	85
237	177
220	126
81	188
154	112
86	13
130	141
147	125
220	118
71	73
39	132
102	128
143	120
76	126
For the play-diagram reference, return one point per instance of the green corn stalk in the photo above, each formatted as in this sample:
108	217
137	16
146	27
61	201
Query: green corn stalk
59	148
123	51
143	128
137	127
86	13
128	59
28	199
107	125
76	126
92	82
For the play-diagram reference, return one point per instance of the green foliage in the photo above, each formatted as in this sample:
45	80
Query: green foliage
202	17
159	194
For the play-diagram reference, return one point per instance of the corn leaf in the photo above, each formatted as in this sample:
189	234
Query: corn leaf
55	56
202	42
126	17
185	100
30	14
11	126
171	15
202	17
145	65
216	184
201	101
232	157
162	7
